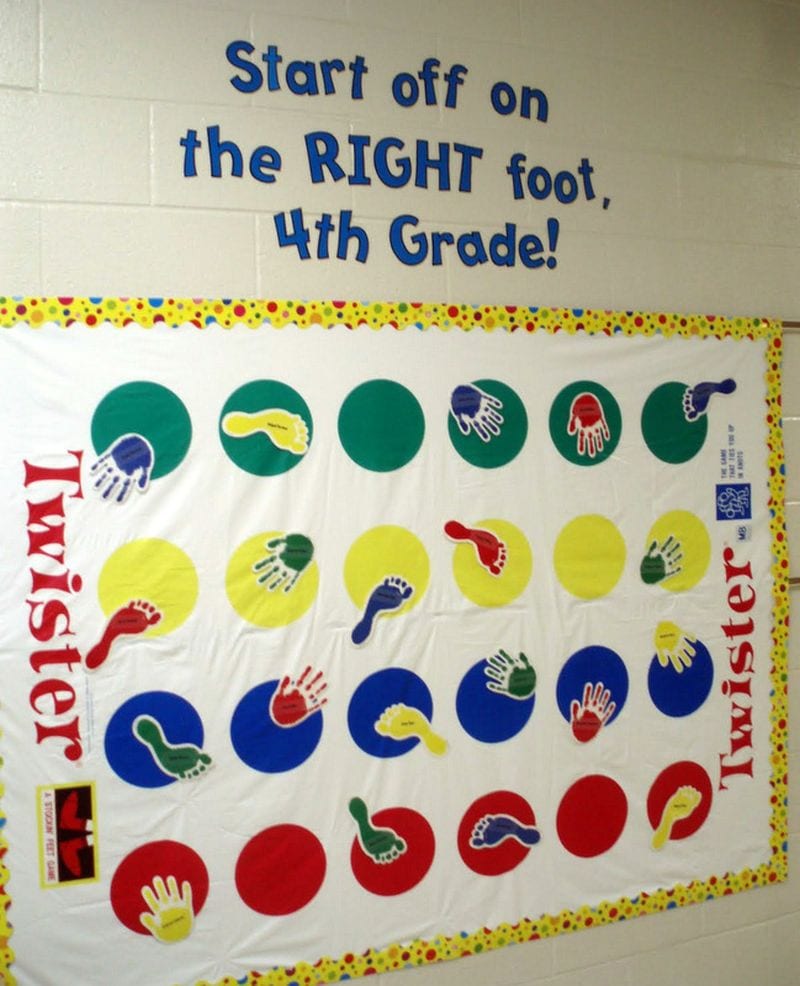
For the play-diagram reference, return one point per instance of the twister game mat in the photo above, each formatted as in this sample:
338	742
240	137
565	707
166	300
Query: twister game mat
341	638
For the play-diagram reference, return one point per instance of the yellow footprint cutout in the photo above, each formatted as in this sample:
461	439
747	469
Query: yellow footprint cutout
400	721
286	431
681	805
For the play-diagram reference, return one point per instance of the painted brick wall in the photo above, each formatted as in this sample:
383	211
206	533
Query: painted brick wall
688	109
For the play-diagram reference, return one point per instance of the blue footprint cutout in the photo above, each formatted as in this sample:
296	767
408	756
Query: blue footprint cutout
696	399
490	830
386	597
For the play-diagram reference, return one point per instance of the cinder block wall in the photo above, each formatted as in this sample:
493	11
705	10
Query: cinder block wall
689	111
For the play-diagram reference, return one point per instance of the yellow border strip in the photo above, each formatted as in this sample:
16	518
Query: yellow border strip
6	954
254	314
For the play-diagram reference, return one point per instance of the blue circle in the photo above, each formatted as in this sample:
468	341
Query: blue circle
680	694
131	759
375	694
592	665
264	745
485	715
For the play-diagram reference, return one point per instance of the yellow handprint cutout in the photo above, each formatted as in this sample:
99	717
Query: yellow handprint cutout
286	431
681	805
170	917
674	646
400	721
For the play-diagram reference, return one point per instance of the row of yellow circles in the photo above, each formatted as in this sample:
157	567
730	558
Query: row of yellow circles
588	559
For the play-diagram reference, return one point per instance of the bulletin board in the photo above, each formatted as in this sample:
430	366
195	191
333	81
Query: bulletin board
340	638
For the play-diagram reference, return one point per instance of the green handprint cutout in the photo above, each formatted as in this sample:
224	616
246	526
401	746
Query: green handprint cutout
662	561
288	558
179	761
513	677
383	845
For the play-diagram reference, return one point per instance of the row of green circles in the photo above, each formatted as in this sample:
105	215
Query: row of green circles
381	425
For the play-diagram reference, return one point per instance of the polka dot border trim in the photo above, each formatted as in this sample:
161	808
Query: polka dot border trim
254	314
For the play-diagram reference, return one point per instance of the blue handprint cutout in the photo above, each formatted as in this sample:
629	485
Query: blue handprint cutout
490	830
695	399
124	466
476	411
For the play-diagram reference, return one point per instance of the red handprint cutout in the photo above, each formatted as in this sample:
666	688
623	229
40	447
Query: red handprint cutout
588	717
293	702
587	420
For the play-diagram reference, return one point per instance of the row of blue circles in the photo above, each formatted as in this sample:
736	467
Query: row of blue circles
485	715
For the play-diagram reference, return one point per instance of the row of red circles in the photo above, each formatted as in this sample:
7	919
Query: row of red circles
282	868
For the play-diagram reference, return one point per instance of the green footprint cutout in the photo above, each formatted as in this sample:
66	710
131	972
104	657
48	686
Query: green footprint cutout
179	761
383	845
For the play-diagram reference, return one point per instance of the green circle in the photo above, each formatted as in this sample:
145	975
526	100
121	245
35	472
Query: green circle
502	448
667	433
255	451
146	409
561	412
381	425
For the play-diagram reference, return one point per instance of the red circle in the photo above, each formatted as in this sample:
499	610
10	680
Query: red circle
591	816
405	872
280	870
140	867
506	854
680	774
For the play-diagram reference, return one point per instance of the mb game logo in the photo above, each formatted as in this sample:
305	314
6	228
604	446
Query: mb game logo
67	847
733	501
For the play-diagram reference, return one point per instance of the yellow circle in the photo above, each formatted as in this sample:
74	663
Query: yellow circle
252	600
477	583
589	556
695	547
379	554
153	571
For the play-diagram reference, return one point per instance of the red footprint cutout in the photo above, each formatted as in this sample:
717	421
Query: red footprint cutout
490	549
132	619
